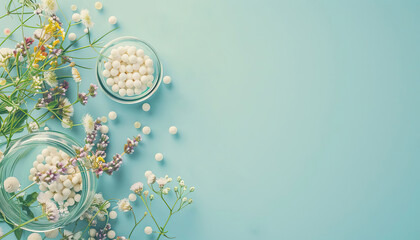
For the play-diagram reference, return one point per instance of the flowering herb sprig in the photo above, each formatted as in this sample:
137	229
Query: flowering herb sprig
32	90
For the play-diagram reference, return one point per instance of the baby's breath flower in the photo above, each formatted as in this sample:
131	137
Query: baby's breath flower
66	123
124	205
151	179
190	201
66	107
88	123
52	211
184	199
181	183
49	6
137	187
192	189
76	75
162	182
51	78
86	18
33	127
166	191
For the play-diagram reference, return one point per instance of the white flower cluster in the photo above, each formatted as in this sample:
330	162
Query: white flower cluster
5	53
100	206
11	184
64	189
128	71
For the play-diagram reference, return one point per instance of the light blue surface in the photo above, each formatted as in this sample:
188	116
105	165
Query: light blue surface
297	119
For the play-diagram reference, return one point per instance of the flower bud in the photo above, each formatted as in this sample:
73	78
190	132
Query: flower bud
192	189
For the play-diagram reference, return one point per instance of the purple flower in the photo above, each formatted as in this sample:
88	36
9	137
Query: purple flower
83	98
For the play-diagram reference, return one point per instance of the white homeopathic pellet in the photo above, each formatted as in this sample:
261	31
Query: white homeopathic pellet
137	124
146	107
148	230
112	20
132	197
173	130
34	236
113	214
159	157
146	130
98	5
11	184
72	36
104	129
76	17
92	232
112	115
167	79
111	234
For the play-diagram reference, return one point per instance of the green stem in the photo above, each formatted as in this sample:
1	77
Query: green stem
23	224
22	190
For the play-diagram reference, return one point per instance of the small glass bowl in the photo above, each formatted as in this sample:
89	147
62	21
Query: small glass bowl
139	44
17	162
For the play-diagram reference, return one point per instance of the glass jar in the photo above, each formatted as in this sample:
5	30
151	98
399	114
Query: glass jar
104	57
17	162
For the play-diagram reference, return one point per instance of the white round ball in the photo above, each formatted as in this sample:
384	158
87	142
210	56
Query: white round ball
34	236
112	115
129	68
112	20
140	53
123	77
76	17
72	36
129	83
173	130
121	84
137	124
148	230
106	73
113	214
110	81
11	184
138	91
132	59
77	197
122	92
92	232
146	107
116	64
167	79
125	58
111	234
158	157
130	92
108	66
114	72
146	130
73	7
104	129
132	197
115	88
131	50
98	5
137	84
142	70
148	62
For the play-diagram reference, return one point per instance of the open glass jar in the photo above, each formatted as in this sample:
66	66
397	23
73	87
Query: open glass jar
147	89
20	160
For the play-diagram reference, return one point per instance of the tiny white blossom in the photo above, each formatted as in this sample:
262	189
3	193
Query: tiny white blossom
49	6
33	127
137	187
151	179
182	183
52	211
86	18
124	205
76	75
88	123
162	182
51	78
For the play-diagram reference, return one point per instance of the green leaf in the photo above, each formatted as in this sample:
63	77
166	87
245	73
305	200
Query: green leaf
28	211
18	232
30	199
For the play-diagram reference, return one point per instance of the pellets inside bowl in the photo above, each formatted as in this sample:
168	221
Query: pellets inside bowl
128	71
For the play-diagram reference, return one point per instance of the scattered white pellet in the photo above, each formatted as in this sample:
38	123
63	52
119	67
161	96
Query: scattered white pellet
46	128
76	17
113	214
73	7
148	230
137	124
98	5
72	36
146	130
112	20
104	129
159	157
111	234
167	79
34	236
92	232
132	197
146	107
112	115
104	119
173	130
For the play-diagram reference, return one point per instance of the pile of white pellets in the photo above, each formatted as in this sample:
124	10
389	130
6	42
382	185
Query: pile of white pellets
65	190
128	71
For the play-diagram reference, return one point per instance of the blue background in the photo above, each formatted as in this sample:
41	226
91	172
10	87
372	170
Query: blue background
296	119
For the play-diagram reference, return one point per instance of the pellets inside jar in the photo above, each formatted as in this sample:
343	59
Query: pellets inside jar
128	71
